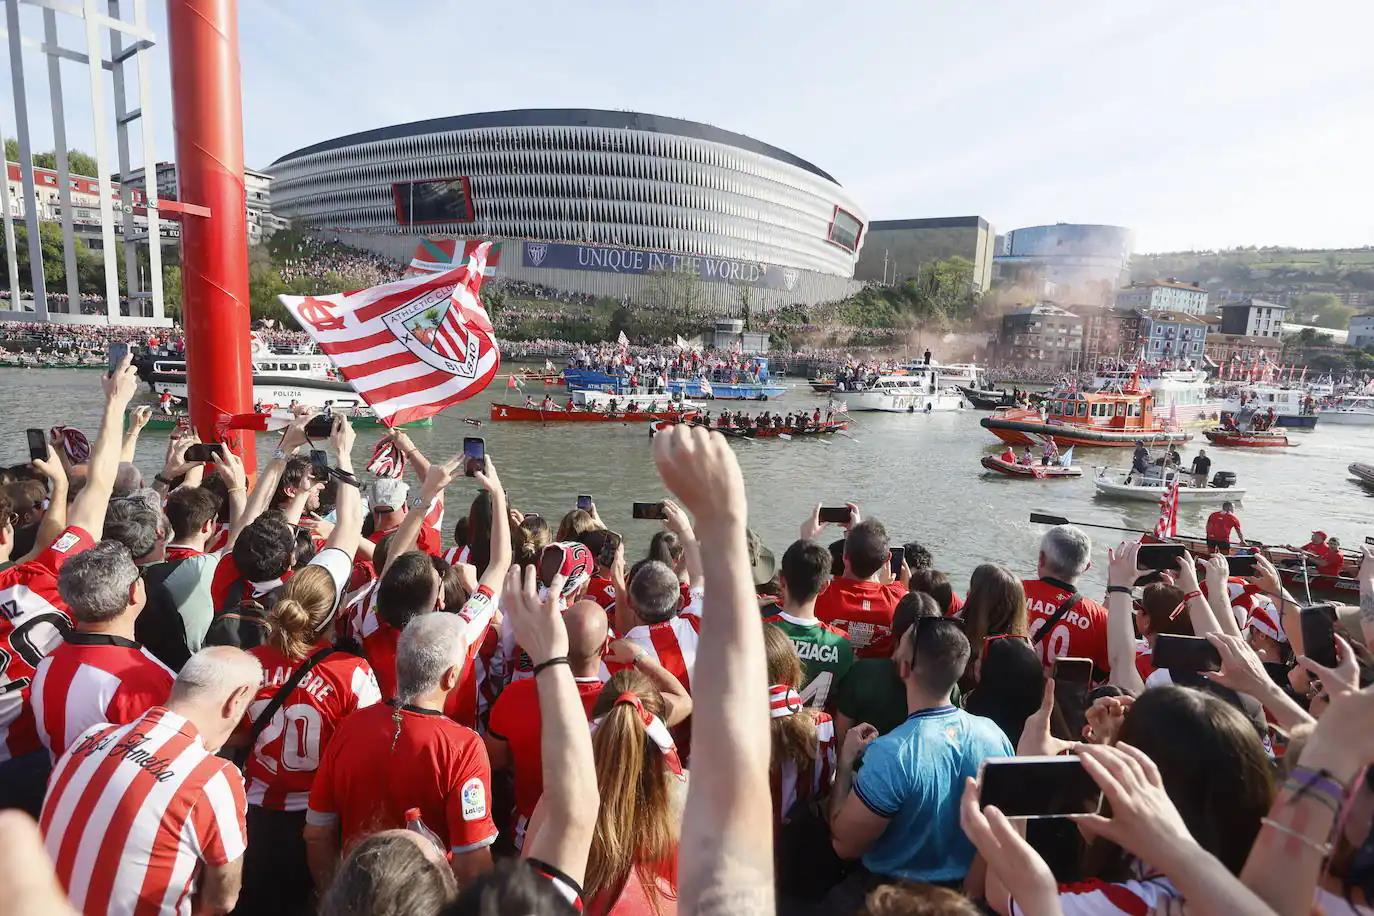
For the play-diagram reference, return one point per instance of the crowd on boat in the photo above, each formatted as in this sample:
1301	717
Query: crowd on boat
798	420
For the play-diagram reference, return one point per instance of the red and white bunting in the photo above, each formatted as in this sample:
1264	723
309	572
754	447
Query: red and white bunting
409	348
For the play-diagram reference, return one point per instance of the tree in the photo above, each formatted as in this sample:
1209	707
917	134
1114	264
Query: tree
79	162
1323	309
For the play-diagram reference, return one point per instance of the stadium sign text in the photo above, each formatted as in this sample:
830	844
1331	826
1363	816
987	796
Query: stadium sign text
602	259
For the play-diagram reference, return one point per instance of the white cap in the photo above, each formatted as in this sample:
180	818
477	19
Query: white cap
389	494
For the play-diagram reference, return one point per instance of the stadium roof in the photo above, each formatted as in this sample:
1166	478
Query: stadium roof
938	222
563	117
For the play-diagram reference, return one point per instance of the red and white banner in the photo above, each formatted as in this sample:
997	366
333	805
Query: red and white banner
409	348
1167	526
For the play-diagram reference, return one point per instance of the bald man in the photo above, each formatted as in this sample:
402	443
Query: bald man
512	736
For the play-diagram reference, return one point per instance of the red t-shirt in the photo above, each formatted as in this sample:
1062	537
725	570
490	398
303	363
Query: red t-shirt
515	719
600	590
1220	525
1082	633
33	620
371	774
428	541
286	754
1331	562
956	604
228	587
93	678
864	611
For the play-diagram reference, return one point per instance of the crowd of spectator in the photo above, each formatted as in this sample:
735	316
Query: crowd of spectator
313	259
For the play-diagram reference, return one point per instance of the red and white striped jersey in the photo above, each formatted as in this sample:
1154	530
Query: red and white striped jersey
133	810
788	784
673	643
93	678
287	753
1106	898
33	620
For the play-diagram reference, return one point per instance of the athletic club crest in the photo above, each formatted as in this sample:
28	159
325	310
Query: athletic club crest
789	278
536	254
433	328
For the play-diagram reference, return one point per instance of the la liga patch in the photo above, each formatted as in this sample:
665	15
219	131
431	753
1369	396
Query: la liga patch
474	799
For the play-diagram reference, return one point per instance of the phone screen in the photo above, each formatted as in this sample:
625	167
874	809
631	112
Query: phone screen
203	451
550	562
834	515
1319	633
1034	787
1242	565
647	510
474	455
896	556
584	503
1159	556
319	464
116	353
1185	653
38	444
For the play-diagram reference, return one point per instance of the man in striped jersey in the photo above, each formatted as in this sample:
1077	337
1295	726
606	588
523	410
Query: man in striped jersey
99	673
138	815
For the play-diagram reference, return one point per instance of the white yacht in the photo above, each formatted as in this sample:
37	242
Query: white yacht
279	379
1180	394
921	390
1353	410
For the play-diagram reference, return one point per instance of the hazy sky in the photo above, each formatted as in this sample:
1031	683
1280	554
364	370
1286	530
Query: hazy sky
1198	125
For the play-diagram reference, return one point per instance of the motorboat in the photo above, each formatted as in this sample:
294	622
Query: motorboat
1293	407
988	398
279	380
1364	473
1180	394
1035	471
1236	438
918	391
1355	410
1106	419
1150	486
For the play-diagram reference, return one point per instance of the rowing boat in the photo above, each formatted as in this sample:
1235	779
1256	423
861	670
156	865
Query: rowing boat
768	432
519	413
1230	438
1028	471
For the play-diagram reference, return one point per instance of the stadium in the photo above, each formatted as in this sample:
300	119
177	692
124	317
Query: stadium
604	203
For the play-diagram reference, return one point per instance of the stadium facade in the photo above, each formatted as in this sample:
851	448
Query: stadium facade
610	203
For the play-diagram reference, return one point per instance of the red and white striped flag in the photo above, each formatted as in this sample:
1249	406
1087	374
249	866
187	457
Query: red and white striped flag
1167	526
409	348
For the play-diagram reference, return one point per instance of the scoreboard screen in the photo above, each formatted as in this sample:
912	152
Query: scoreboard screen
434	200
845	228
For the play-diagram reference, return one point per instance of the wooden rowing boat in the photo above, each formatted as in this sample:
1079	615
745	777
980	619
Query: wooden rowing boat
1298	578
1229	438
521	414
1029	471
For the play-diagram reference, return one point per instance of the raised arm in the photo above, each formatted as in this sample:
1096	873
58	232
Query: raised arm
404	539
348	524
1219	596
55	518
268	478
229	467
138	418
566	816
494	576
1121	574
88	510
725	860
677	522
675	696
413	454
1199	611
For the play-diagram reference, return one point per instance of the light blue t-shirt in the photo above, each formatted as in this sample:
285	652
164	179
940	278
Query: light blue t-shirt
914	776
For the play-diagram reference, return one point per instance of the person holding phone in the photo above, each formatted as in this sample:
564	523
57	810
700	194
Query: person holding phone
862	599
894	812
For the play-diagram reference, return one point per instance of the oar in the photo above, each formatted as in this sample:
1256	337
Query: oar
1040	518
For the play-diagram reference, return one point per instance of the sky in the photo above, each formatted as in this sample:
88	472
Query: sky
1197	125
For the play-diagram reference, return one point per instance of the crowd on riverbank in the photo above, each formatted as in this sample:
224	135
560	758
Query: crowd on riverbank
518	710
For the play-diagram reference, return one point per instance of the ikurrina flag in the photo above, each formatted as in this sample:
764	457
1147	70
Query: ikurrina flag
409	348
437	255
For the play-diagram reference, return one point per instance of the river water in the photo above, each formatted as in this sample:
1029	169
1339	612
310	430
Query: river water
918	473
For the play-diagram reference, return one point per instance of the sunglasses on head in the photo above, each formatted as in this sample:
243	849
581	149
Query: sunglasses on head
989	640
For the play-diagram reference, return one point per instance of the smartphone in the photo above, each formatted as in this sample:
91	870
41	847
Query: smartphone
1185	653
896	556
116	353
1159	556
38	444
550	562
1318	623
1073	670
1072	683
319	464
834	515
584	503
603	546
474	455
319	426
203	451
647	510
1242	565
1369	540
1038	787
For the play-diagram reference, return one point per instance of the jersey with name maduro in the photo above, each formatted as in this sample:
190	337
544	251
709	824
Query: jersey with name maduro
133	811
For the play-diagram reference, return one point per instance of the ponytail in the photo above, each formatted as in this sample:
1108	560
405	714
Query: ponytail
305	606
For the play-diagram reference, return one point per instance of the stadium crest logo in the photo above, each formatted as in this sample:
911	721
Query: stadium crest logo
536	254
789	278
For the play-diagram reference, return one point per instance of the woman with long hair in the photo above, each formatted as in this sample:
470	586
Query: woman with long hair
1162	610
995	606
633	859
575	524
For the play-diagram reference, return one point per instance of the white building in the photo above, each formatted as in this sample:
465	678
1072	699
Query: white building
1253	318
1361	331
257	187
1171	295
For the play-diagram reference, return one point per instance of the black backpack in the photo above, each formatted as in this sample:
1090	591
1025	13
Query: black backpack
244	624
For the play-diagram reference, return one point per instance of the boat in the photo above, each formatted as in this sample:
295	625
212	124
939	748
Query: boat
1102	419
360	419
1235	438
1029	471
1180	394
1293	407
1364	473
600	407
823	385
305	379
718	386
1299	578
1356	410
987	398
782	432
726	391
1149	488
917	391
